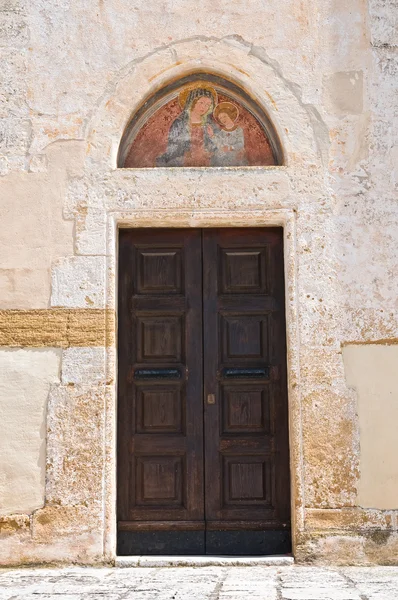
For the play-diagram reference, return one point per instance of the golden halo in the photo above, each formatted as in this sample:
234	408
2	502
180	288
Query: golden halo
231	109
183	96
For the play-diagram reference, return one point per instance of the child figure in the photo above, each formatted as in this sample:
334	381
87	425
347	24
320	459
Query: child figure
229	140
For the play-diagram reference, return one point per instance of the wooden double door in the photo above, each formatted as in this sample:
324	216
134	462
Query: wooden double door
203	451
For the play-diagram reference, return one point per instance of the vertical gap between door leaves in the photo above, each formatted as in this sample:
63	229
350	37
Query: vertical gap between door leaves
203	394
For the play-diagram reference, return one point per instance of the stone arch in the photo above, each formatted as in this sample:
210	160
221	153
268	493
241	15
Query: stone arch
230	59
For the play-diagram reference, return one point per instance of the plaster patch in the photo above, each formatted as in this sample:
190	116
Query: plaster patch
372	371
25	379
344	92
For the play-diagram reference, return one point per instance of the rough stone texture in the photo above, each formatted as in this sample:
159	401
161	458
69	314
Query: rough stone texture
12	524
75	431
25	380
205	583
73	73
348	518
57	327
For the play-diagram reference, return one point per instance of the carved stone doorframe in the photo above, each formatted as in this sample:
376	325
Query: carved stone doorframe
201	219
107	198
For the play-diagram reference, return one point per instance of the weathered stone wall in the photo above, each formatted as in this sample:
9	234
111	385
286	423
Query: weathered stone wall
72	74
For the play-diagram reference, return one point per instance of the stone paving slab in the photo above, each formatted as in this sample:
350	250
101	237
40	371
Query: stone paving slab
200	583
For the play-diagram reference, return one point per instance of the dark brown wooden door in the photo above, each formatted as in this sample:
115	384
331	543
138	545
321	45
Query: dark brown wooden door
160	418
246	421
202	415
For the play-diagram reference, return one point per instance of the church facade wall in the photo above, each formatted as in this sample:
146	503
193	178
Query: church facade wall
74	74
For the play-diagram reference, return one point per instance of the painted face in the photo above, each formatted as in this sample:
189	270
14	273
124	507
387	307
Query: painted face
225	120
202	105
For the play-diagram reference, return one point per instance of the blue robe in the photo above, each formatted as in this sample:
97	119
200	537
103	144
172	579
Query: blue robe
179	141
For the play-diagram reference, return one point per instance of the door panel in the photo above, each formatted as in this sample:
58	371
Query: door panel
160	421
203	458
246	432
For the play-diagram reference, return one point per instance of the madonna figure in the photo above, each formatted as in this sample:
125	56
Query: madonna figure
189	141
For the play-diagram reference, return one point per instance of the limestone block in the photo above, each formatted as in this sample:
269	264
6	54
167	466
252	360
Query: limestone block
151	190
13	29
25	380
110	499
12	84
384	22
371	324
319	324
14	135
75	445
385	61
329	446
365	261
57	328
91	232
333	549
14	524
76	198
13	6
84	548
79	282
320	367
381	547
372	371
83	366
348	518
52	522
374	548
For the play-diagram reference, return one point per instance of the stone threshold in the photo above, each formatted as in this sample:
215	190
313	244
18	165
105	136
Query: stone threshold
204	561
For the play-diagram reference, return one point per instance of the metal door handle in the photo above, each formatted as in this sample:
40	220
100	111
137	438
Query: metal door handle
211	399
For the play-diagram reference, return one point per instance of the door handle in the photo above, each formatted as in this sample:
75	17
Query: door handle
211	398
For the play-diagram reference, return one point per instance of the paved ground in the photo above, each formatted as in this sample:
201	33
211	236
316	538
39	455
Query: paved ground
201	583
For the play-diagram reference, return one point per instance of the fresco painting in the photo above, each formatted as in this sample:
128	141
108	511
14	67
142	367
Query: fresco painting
200	127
